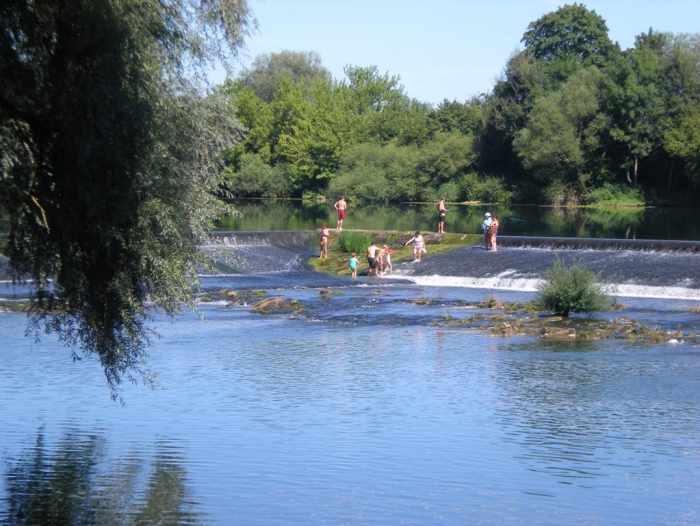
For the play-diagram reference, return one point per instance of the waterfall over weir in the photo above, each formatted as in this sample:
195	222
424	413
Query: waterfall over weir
587	243
661	269
260	252
664	269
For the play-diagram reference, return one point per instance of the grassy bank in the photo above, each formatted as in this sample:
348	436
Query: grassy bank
337	261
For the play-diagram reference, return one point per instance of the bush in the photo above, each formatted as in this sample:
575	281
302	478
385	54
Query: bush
353	242
571	289
615	194
255	178
484	189
558	193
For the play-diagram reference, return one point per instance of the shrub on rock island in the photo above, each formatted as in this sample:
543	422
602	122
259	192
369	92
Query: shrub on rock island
566	289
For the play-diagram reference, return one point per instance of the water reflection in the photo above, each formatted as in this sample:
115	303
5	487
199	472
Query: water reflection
76	482
518	220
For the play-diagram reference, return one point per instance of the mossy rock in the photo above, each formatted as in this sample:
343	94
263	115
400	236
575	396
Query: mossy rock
421	301
560	334
277	304
326	292
491	303
14	306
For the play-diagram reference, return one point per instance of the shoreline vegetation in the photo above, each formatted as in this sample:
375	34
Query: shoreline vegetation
573	120
621	204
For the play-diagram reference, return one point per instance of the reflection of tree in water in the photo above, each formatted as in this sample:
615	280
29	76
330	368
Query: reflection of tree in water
75	483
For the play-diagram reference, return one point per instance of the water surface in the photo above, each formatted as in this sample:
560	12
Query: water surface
522	220
360	410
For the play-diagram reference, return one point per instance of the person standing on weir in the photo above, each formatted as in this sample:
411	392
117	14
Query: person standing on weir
442	212
341	206
486	228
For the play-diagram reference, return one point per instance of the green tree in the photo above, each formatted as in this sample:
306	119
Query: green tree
505	113
562	132
269	69
569	38
635	101
682	142
465	118
103	138
447	157
257	117
376	102
310	132
255	178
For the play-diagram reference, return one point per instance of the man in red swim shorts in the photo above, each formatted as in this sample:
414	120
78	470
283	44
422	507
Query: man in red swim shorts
341	206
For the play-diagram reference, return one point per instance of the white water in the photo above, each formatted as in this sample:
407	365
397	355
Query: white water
507	281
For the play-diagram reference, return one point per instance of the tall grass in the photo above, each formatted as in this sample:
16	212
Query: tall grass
353	242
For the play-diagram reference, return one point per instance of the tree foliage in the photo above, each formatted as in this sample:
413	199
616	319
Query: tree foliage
270	69
561	133
569	37
110	157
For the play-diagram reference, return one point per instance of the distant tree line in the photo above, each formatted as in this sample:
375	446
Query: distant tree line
573	119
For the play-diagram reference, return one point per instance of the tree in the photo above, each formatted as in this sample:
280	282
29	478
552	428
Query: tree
635	101
569	38
457	117
683	142
269	69
562	131
310	130
109	160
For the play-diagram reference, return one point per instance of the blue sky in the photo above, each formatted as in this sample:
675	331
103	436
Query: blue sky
440	48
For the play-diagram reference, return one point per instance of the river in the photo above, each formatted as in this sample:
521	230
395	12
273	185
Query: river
359	410
517	220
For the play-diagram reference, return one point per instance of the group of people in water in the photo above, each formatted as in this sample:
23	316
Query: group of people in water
379	258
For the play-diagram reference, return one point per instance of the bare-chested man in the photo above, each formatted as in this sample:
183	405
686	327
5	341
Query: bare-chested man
442	212
341	206
372	253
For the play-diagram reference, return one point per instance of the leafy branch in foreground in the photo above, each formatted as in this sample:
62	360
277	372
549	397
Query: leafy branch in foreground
109	161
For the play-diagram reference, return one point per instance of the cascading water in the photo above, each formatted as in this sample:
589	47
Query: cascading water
629	268
645	268
259	252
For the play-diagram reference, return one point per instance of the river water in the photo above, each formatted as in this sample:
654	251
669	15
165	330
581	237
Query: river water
359	410
517	220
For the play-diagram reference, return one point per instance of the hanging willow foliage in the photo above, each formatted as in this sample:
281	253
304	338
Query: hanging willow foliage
109	161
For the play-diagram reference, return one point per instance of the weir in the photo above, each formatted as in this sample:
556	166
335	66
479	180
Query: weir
628	267
285	238
309	238
585	243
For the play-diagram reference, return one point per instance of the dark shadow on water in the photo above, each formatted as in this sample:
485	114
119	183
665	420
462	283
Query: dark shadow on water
77	482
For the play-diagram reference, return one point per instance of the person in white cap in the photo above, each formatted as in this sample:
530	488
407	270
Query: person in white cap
486	227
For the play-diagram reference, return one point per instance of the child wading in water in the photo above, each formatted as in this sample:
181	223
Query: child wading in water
387	253
353	265
418	245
